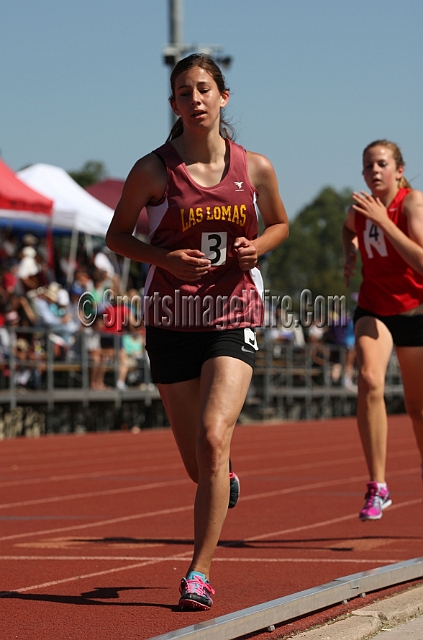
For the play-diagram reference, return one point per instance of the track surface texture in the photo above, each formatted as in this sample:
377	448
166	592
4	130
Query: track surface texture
96	529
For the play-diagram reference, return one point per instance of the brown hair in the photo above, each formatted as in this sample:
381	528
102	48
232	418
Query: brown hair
397	155
207	63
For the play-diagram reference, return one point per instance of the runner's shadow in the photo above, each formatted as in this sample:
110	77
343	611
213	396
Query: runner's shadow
325	543
133	541
248	544
89	598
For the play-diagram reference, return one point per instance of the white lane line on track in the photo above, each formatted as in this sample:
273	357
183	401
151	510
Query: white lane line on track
177	465
178	558
94	494
90	476
256	496
59	454
164	512
136	470
181	557
81	577
325	523
66	456
102	464
315	485
137	516
156	485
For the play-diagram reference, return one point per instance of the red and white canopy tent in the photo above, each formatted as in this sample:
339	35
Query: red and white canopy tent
18	201
109	192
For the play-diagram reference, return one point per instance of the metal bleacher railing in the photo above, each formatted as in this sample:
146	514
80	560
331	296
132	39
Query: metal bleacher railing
39	364
312	381
289	382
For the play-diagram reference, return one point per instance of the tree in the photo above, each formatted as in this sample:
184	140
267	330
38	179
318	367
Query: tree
91	172
312	257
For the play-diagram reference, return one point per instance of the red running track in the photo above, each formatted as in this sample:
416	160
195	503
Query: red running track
96	530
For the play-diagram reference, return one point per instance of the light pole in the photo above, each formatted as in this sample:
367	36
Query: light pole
176	49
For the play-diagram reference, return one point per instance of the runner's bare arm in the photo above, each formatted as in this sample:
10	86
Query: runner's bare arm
350	245
146	183
272	210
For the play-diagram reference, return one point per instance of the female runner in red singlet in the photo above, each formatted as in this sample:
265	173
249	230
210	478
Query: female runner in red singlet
201	191
387	224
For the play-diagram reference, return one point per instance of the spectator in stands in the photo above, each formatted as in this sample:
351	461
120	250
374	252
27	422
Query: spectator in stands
133	348
83	280
349	343
51	315
105	344
28	268
20	305
9	245
10	282
27	373
98	355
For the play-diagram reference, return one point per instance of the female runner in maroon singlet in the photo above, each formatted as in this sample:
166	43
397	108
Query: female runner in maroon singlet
201	191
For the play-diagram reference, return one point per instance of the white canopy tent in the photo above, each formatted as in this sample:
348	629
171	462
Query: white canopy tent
74	209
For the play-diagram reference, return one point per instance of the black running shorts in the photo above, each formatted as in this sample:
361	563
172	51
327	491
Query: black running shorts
176	356
406	331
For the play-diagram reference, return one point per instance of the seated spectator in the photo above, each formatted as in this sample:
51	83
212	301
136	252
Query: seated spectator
103	264
315	335
20	305
50	315
280	333
99	356
9	245
10	279
83	280
27	373
134	355
340	334
349	343
74	313
28	268
99	286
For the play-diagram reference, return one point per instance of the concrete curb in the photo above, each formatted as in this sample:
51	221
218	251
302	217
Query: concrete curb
367	621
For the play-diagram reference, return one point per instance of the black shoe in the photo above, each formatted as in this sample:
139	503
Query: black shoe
234	487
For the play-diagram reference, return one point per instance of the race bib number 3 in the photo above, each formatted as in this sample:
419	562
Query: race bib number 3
214	246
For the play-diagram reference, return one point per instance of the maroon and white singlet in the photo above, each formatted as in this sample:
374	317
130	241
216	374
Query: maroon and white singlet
209	219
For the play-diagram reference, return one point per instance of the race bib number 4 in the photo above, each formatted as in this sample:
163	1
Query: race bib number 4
214	246
374	240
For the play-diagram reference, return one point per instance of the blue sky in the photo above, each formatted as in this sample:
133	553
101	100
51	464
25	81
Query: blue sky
312	82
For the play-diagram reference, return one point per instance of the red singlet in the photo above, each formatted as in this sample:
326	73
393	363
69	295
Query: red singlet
390	286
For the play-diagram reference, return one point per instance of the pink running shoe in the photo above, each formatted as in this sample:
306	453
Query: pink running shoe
377	499
195	593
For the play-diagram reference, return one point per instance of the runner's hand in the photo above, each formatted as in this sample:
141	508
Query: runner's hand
247	253
189	265
370	207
